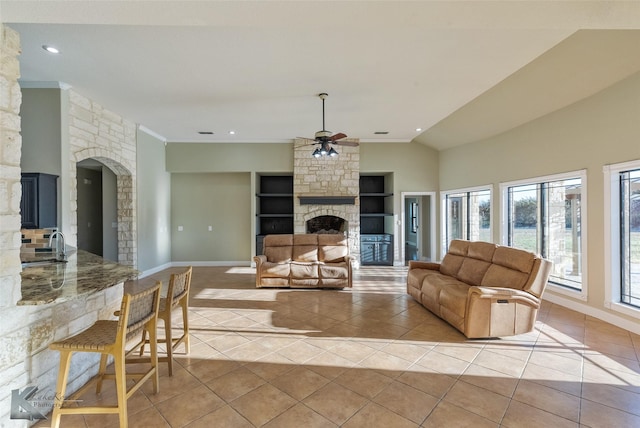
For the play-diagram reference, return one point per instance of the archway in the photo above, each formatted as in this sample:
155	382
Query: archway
125	202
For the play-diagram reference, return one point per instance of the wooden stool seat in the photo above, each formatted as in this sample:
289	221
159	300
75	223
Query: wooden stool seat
138	313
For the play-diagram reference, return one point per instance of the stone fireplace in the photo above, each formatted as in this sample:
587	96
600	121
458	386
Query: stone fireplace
327	187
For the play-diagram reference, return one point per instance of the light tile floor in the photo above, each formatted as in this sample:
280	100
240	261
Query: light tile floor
372	357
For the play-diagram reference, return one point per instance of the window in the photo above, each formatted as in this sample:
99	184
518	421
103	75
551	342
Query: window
622	243
545	216
467	215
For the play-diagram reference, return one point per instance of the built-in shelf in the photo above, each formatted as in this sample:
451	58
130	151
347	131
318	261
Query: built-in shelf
376	206
274	205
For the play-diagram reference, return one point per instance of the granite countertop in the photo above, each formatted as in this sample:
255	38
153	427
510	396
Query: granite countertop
84	273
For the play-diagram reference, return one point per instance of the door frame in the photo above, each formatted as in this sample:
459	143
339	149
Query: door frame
432	225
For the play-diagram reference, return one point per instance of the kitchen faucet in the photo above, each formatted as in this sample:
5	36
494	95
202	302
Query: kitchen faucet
61	253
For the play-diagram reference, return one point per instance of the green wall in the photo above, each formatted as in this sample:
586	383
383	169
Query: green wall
154	203
41	130
202	176
599	130
219	200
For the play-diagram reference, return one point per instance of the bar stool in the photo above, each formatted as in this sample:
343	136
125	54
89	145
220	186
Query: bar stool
138	312
177	295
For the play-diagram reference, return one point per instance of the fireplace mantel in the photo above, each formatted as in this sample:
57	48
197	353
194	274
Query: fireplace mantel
326	200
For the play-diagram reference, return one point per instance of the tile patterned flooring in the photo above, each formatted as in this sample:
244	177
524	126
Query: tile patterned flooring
372	357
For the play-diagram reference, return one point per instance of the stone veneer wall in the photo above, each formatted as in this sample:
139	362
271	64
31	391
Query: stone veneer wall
26	331
97	133
10	150
327	176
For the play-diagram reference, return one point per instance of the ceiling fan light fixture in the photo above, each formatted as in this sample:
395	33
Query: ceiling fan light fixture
333	152
316	153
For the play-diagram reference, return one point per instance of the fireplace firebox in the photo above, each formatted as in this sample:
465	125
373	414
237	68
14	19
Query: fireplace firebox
327	224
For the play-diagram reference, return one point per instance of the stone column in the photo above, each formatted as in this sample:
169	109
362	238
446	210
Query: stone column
10	150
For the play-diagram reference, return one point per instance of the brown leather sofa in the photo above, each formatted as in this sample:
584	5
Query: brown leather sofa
305	261
482	289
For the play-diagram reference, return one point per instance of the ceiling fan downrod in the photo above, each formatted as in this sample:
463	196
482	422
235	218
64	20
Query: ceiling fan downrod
323	96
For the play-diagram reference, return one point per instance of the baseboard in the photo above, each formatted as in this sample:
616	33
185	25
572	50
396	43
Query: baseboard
156	269
602	315
211	264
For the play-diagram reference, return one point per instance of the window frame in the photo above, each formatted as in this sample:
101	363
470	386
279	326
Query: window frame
443	211
581	294
612	273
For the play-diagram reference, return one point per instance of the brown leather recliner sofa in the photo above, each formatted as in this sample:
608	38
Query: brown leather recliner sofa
305	261
482	289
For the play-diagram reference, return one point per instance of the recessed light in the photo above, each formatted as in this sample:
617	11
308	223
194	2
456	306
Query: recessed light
418	129
232	132
205	132
381	132
51	49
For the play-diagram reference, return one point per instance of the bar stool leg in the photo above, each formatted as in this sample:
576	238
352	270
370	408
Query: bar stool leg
101	372
169	341
61	387
144	338
153	344
121	388
185	323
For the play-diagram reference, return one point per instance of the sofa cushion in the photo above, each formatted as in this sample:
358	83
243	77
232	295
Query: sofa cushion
277	248
278	254
301	270
433	283
305	239
305	253
454	298
278	240
451	264
472	271
514	258
500	276
275	270
482	250
332	253
334	271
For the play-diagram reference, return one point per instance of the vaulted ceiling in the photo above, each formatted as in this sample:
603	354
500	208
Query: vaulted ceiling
459	71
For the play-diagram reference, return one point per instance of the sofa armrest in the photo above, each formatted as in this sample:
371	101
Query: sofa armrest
499	311
259	261
510	295
417	264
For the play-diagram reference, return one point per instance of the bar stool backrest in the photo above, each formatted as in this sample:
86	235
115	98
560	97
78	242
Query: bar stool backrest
137	310
179	285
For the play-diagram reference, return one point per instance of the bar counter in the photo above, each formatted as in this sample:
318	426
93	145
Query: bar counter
83	274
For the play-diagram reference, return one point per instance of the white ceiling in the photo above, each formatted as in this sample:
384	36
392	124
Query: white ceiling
460	70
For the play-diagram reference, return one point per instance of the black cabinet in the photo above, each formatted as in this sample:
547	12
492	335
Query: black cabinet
274	207
376	220
376	249
39	203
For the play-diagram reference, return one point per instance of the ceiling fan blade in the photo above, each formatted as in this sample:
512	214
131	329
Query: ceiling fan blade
309	141
338	136
346	143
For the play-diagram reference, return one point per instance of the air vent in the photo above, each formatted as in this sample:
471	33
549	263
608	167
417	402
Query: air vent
205	132
381	132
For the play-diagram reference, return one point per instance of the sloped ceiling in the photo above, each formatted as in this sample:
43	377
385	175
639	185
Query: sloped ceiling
459	70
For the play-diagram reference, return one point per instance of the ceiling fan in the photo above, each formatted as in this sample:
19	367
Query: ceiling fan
325	139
